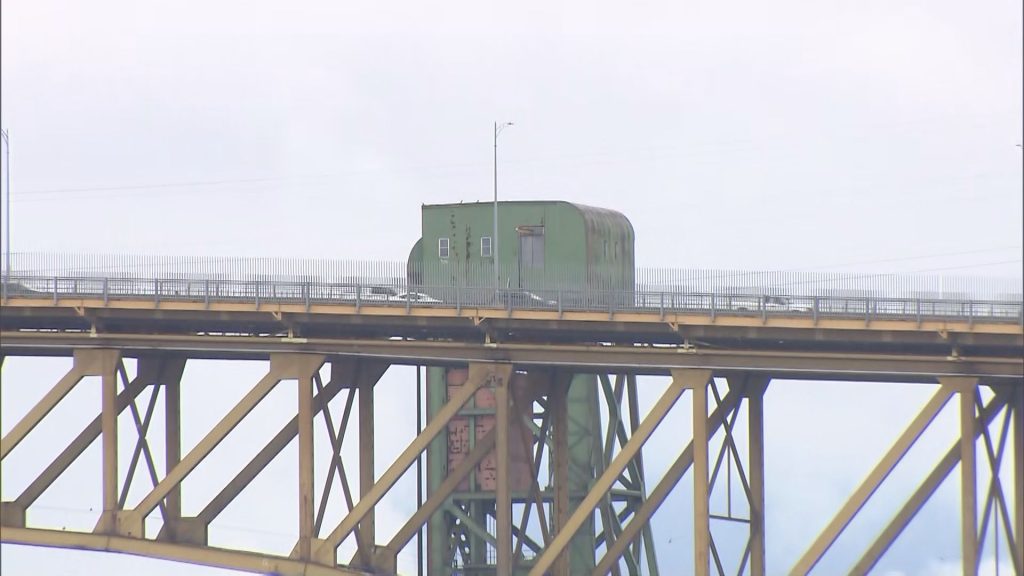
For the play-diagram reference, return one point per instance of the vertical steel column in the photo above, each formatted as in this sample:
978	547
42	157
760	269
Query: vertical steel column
172	443
107	363
366	536
419	468
503	500
583	429
701	520
559	406
305	400
1018	472
438	542
968	480
755	389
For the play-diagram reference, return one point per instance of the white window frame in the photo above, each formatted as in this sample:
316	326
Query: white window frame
443	248
490	247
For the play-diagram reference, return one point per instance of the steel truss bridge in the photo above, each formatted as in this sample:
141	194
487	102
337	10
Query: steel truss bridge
328	348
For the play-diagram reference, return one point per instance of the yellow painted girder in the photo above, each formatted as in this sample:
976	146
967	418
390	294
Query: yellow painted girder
796	320
204	555
791	363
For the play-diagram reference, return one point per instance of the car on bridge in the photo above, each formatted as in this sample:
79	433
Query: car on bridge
767	303
520	298
416	297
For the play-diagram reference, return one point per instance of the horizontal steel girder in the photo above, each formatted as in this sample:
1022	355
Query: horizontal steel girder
792	364
336	319
204	555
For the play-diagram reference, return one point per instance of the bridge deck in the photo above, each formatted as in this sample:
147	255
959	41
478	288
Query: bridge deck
802	344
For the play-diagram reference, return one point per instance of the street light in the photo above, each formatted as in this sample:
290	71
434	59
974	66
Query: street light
7	220
494	248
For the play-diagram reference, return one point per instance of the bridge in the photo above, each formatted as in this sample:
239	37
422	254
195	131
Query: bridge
329	336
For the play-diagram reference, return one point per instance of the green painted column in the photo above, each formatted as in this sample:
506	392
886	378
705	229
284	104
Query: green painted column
438	536
584	427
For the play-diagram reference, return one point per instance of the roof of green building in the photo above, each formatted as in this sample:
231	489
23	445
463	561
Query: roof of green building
595	218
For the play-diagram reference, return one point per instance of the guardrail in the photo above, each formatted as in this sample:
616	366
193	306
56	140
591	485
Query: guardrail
479	272
308	293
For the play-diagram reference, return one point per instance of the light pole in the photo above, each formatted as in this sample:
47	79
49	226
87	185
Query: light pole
494	243
7	209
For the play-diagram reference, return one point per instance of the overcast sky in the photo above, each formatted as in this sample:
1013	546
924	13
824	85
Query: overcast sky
873	135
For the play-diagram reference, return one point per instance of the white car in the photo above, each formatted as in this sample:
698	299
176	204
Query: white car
415	297
767	303
366	293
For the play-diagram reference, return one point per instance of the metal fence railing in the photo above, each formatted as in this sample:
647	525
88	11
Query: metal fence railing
480	273
394	284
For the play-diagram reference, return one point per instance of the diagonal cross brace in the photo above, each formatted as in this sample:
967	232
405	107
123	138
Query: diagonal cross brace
438	498
879	473
264	457
150	371
681	379
923	493
282	366
85	438
643	514
479	374
39	411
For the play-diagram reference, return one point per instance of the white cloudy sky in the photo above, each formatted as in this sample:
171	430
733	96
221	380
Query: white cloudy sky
874	135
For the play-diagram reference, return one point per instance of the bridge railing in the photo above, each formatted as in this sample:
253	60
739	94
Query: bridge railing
479	272
399	293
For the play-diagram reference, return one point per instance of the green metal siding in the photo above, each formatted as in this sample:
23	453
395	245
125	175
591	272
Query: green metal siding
583	246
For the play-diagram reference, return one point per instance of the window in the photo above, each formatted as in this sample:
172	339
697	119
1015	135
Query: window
442	248
485	247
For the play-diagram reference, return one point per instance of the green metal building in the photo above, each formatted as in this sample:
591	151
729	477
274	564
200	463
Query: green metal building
541	246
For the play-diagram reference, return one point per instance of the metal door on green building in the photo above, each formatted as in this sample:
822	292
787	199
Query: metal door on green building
531	256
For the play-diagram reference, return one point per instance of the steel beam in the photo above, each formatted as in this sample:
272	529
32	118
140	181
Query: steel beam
304	391
701	522
172	439
1018	472
534	454
84	365
437	499
923	493
790	364
681	379
643	514
141	450
467	316
366	532
892	457
479	374
340	377
258	462
754	392
995	501
647	536
203	555
439	545
281	366
336	436
558	404
968	474
136	517
106	364
502	496
76	447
